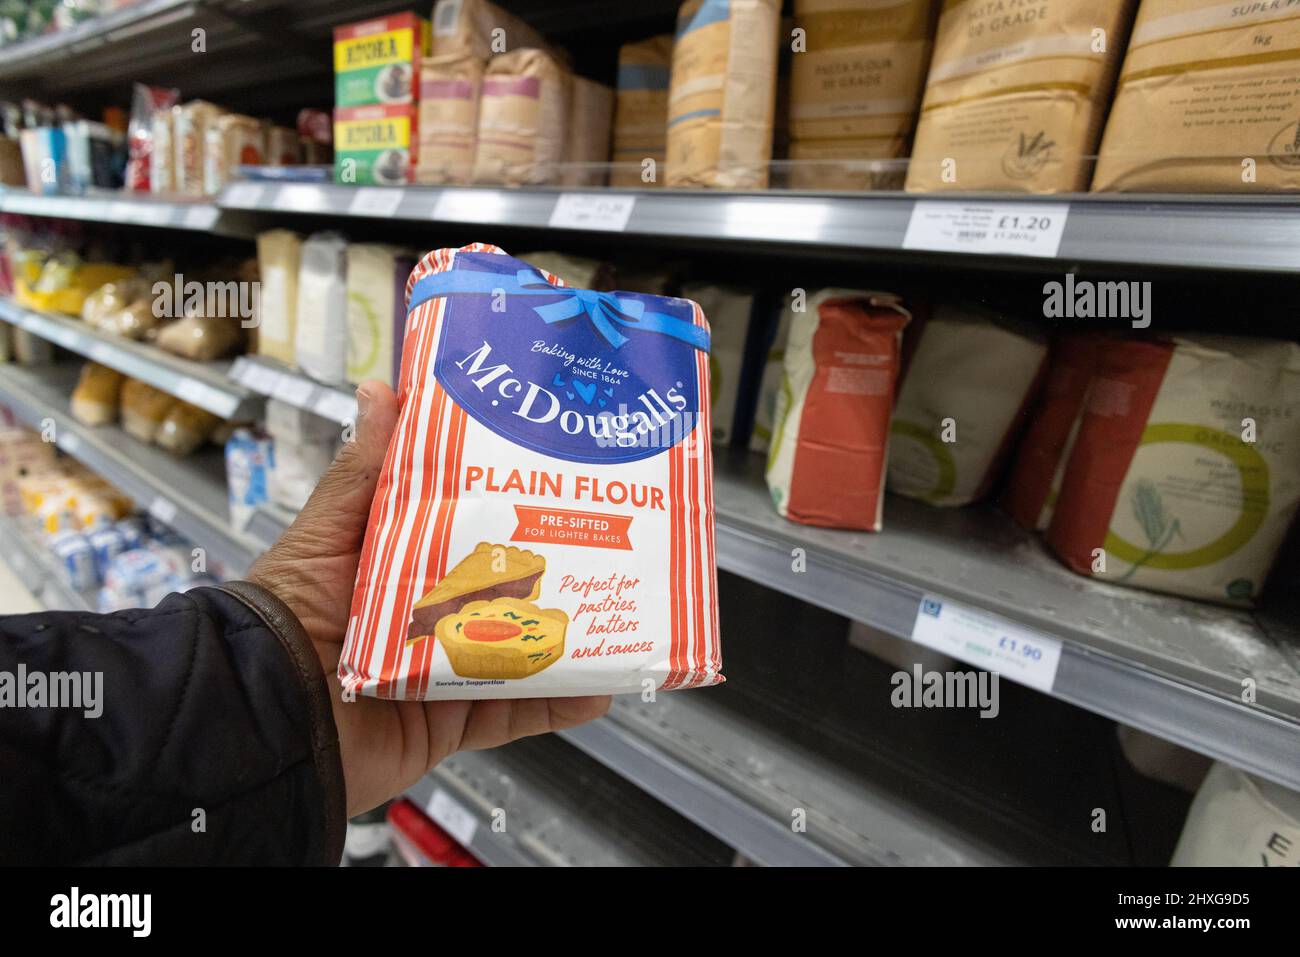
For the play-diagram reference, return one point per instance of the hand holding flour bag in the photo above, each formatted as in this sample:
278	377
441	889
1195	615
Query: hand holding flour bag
1185	473
826	463
543	523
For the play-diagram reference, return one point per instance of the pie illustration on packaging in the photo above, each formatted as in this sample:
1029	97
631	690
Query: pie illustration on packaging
488	572
505	638
542	525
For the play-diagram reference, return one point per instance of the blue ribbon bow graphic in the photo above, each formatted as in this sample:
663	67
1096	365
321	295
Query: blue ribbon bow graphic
608	312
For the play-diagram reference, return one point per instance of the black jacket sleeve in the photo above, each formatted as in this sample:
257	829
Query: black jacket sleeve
215	742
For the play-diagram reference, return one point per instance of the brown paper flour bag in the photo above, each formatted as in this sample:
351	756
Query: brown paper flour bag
522	119
478	28
1207	100
855	90
1016	94
641	110
723	93
449	95
591	110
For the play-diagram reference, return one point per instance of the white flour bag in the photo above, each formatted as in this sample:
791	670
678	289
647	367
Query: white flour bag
826	464
1185	472
967	388
1240	821
543	523
321	332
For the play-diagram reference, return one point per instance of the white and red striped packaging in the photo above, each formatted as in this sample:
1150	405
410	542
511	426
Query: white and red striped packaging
568	423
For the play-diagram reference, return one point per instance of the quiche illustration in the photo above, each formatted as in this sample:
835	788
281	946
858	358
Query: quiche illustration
488	572
502	638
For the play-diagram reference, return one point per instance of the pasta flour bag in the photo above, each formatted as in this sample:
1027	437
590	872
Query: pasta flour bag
1207	101
826	464
1035	479
641	111
1238	820
855	90
522	117
723	93
449	95
543	523
1016	95
1185	473
321	336
969	382
730	309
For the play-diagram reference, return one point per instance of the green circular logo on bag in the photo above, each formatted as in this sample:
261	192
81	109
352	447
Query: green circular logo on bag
947	478
1251	467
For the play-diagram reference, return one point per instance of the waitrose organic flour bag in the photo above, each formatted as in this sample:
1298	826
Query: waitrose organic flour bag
1185	473
1017	94
1208	100
969	382
1041	454
543	523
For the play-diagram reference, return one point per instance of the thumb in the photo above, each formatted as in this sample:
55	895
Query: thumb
340	503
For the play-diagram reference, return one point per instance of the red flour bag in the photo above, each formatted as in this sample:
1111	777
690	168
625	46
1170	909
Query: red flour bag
1036	475
543	523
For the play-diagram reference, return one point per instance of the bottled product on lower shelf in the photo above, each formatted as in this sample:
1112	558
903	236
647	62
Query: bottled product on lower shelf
970	379
827	461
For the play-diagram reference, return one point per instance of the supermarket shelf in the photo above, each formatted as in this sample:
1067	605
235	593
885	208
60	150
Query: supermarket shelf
127	209
204	384
558	807
189	494
272	379
1259	233
1169	666
35	568
89	39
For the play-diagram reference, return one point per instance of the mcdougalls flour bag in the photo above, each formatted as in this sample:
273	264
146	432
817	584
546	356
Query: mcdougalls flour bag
543	523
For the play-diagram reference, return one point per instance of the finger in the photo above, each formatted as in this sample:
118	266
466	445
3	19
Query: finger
493	723
341	500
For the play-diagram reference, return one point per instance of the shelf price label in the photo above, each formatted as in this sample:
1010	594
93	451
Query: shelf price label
293	390
375	201
243	194
987	641
1011	229
163	510
598	211
336	406
452	817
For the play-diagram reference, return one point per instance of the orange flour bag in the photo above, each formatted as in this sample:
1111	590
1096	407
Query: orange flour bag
543	523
